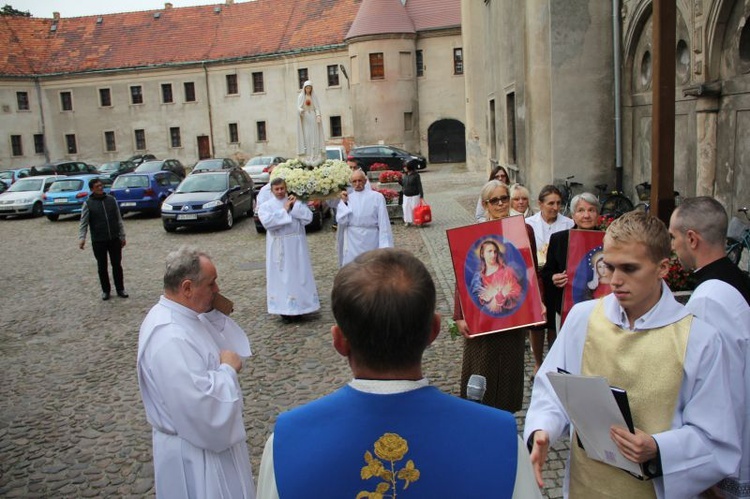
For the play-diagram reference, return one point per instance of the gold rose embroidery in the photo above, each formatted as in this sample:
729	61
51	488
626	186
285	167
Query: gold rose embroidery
391	448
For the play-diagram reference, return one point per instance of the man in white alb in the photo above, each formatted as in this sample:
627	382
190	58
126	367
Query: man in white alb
188	359
363	217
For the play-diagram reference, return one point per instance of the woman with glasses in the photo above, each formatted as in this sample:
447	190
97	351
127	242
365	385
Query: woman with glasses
498	173
498	357
545	223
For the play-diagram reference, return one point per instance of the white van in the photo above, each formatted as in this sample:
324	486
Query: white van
336	152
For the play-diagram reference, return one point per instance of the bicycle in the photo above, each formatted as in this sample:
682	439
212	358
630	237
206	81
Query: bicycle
644	197
614	204
566	189
738	238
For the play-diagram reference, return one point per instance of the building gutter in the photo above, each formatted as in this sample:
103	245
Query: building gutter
210	110
38	86
616	53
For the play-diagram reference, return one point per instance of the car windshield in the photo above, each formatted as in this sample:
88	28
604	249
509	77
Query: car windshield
27	185
260	161
109	167
128	181
333	154
150	166
204	183
209	164
68	185
6	175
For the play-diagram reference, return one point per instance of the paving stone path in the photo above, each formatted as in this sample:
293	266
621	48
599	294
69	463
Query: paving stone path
71	419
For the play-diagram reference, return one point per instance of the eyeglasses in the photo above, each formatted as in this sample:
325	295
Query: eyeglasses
497	201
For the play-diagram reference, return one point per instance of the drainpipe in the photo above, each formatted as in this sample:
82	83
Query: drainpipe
210	112
38	87
616	36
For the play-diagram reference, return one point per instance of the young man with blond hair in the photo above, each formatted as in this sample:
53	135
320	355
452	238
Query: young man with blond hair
671	364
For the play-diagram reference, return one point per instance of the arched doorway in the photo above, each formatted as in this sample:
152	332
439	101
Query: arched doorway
446	141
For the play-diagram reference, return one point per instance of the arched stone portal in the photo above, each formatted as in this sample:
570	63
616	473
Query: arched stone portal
446	141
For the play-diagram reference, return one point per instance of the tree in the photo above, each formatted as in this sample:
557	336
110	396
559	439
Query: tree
8	10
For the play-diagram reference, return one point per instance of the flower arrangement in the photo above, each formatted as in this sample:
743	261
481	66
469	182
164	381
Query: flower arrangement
389	194
390	176
378	167
306	182
605	221
677	278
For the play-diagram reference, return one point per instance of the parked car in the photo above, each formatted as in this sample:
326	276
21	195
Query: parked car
259	168
66	195
114	169
64	168
8	177
137	159
209	198
25	196
214	164
391	156
170	165
144	191
336	152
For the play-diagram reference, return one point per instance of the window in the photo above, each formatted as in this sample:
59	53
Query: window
189	91
109	141
140	140
408	122
23	101
66	101
302	76
232	85
70	142
105	97
38	143
261	126
136	94
510	125
258	86
234	135
166	93
335	126
377	70
458	61
333	76
174	136
16	145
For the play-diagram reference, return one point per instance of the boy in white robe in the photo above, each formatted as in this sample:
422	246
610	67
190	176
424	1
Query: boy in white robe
698	444
188	359
290	284
363	219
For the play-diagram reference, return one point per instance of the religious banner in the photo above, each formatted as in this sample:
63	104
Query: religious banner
497	284
588	276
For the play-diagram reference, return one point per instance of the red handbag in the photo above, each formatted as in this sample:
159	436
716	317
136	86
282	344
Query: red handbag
422	213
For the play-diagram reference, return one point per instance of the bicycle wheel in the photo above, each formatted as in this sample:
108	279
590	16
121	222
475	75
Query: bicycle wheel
616	205
734	251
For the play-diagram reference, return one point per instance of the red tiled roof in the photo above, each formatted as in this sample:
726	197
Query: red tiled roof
29	47
178	35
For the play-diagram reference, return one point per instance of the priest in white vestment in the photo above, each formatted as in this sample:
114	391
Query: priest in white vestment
363	219
188	359
290	284
698	228
672	365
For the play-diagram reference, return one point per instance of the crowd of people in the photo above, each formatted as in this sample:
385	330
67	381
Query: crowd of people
388	432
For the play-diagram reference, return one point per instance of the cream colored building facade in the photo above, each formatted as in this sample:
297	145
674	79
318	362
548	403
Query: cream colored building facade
541	81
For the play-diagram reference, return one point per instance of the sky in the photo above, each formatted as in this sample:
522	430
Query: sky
75	8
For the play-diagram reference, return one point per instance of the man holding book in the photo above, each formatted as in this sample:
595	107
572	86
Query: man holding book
671	364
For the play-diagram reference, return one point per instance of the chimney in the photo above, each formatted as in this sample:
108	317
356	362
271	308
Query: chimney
56	16
167	5
230	2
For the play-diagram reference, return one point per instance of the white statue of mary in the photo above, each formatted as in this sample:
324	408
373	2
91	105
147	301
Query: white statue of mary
310	140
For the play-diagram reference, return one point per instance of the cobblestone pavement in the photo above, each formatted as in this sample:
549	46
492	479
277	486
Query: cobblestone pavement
71	419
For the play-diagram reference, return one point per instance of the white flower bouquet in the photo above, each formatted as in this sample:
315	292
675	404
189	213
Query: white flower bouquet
320	182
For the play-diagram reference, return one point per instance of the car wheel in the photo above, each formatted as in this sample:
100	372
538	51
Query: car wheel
229	218
53	218
37	210
169	228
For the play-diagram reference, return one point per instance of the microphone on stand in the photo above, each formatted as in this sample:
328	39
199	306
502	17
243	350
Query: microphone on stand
476	387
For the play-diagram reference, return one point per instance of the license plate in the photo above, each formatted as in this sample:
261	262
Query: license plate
189	216
127	205
61	200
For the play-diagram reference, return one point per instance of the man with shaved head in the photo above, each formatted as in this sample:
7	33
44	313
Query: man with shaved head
363	219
